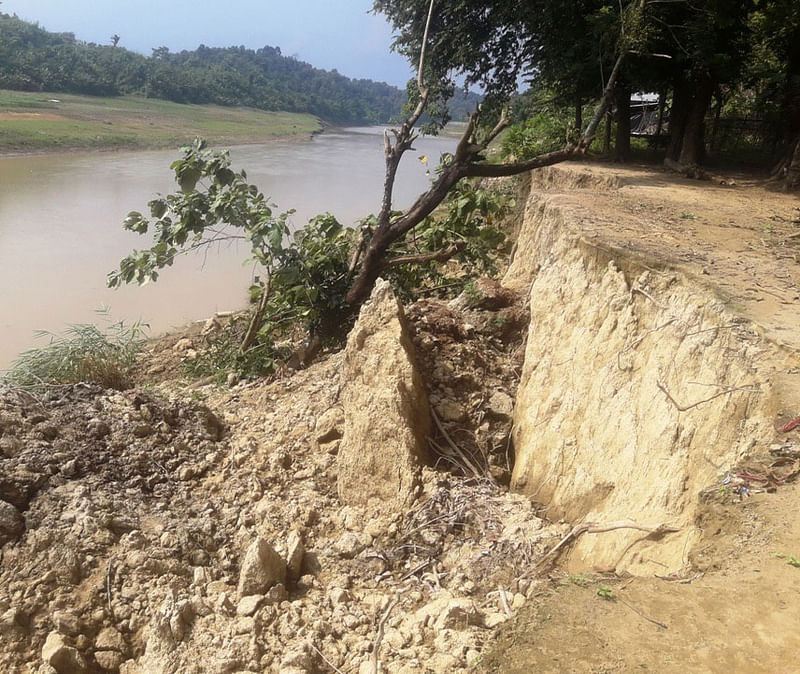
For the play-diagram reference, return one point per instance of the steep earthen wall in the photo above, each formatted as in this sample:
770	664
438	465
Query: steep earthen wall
616	348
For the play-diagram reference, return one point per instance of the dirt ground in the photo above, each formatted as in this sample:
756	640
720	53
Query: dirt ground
742	237
738	608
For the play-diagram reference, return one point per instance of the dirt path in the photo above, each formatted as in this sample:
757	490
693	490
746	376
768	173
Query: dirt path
740	616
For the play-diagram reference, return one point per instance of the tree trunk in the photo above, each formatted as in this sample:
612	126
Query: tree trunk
662	103
679	113
715	128
578	113
693	142
622	144
792	181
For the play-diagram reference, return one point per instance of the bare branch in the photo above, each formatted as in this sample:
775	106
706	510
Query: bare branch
502	123
379	637
404	137
257	318
442	255
420	81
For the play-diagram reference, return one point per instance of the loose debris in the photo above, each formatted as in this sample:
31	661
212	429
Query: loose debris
127	520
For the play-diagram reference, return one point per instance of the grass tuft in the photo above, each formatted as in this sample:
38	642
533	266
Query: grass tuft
83	353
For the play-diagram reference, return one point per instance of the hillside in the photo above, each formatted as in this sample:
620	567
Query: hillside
33	59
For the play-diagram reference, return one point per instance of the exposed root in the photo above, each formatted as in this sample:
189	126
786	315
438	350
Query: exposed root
594	528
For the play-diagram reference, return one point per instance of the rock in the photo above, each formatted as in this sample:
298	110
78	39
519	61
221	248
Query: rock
182	345
249	605
108	661
277	594
386	413
98	428
11	523
501	405
262	568
458	614
244	625
473	657
518	602
296	658
443	662
142	430
64	659
199	558
450	410
11	621
294	555
110	639
494	619
338	596
168	628
305	583
484	293
67	623
329	426
216	587
349	544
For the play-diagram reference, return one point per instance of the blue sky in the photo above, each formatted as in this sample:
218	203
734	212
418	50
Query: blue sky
329	34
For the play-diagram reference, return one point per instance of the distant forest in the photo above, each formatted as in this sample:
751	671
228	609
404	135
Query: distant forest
33	59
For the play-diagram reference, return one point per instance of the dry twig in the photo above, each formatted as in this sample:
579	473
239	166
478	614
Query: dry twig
379	637
636	289
455	447
684	408
504	601
325	660
640	613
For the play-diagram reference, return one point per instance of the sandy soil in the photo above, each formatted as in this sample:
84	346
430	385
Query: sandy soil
740	607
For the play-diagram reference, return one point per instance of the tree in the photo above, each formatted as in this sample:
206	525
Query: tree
114	40
308	278
482	42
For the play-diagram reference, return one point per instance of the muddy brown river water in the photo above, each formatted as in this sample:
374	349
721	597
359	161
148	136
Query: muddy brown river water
61	227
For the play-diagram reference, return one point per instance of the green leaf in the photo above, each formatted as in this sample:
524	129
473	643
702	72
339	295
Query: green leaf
188	177
158	207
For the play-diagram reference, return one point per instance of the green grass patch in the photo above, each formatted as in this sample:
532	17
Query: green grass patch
83	353
35	122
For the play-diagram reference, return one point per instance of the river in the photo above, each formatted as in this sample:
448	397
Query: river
61	227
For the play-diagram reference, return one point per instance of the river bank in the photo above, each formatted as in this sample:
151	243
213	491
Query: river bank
44	123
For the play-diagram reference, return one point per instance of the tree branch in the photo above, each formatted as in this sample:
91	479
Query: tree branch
420	81
442	255
467	162
502	170
257	318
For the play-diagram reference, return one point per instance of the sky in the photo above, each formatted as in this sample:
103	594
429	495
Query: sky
328	34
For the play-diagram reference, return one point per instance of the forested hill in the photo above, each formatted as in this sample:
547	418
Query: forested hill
33	59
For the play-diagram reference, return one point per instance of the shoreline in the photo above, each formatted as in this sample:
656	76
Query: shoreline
78	149
31	124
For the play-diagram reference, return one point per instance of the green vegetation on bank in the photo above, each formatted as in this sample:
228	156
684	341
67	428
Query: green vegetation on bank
82	353
32	122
